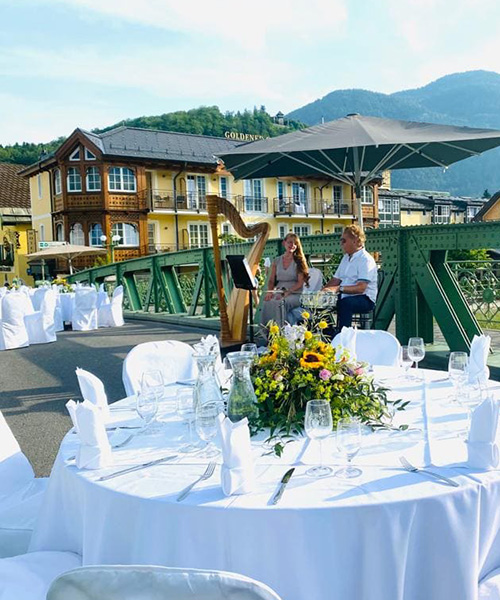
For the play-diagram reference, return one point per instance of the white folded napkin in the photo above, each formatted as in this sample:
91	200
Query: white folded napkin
92	389
237	472
95	450
479	350
347	340
482	449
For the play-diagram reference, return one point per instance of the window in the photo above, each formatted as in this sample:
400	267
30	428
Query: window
254	195
366	195
42	233
93	180
472	211
442	213
57	182
152	236
76	234
198	235
302	230
75	155
95	234
226	228
39	182
89	155
59	233
121	179
337	197
196	192
280	190
299	197
223	187
128	233
74	180
338	229
282	231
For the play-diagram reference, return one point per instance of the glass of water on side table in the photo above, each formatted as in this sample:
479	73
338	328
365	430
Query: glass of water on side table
185	410
348	444
318	426
416	351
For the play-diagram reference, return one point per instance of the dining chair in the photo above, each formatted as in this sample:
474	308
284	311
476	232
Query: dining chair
375	346
40	324
85	310
21	495
111	313
155	583
29	576
174	359
489	586
14	306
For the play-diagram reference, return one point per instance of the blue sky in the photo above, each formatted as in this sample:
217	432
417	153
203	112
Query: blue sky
91	63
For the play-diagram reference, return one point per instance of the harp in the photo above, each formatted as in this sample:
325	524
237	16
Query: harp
234	314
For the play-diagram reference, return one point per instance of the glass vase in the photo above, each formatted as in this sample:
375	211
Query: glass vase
206	388
242	401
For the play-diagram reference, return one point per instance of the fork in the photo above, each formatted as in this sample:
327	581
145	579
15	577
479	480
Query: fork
120	445
206	475
409	467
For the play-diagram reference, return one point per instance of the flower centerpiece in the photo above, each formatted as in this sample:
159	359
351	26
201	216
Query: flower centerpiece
65	287
299	365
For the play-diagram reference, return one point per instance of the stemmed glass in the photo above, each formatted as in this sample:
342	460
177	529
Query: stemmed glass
185	410
206	426
458	370
318	426
153	382
147	407
249	348
348	444
416	350
405	361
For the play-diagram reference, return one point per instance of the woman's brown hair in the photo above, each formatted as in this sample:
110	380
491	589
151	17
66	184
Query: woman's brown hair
298	257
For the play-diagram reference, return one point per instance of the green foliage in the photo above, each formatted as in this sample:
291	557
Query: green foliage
27	153
486	194
468	255
230	238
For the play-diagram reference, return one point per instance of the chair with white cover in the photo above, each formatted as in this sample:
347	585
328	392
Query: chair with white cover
21	495
58	315
40	324
15	305
29	576
375	346
156	583
111	314
84	316
174	359
315	284
489	586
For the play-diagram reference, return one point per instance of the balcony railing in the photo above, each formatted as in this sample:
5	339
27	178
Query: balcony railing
293	206
169	200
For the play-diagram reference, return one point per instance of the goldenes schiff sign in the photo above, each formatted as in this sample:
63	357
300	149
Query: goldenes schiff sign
242	137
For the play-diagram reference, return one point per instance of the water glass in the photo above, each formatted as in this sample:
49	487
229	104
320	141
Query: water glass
252	348
147	407
405	361
185	410
348	444
318	426
458	370
206	426
153	382
416	350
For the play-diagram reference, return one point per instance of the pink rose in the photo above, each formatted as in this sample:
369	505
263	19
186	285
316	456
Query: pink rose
325	374
359	371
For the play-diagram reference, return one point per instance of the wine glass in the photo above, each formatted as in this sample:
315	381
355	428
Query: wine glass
458	370
318	426
405	361
147	407
153	381
206	426
348	444
185	410
249	348
416	350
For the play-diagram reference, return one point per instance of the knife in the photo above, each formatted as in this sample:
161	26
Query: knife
286	478
138	467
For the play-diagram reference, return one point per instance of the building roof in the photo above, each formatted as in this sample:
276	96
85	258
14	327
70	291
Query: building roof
486	207
426	200
14	188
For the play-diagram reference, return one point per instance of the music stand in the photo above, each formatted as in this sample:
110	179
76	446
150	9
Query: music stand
243	280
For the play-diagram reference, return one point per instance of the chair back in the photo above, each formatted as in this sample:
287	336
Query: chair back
155	583
377	347
174	359
15	469
14	307
117	306
85	309
315	280
37	297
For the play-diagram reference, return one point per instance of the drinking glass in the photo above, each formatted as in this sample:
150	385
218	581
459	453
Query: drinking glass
185	410
206	426
416	350
405	361
458	371
318	426
153	381
348	444
249	348
147	407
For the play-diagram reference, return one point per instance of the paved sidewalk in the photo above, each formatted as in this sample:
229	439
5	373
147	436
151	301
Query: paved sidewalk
36	382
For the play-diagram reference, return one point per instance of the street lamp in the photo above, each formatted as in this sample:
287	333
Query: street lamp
114	242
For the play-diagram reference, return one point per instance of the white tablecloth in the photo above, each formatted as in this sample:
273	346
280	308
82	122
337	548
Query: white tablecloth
67	302
386	535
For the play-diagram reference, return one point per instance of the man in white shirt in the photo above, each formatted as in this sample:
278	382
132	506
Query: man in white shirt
355	278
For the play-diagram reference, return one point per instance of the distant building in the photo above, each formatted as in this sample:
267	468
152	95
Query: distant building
490	211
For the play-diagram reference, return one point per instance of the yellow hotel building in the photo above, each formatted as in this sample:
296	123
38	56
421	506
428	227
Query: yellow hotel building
149	188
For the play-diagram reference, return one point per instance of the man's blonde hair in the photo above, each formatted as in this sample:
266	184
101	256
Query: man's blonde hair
356	232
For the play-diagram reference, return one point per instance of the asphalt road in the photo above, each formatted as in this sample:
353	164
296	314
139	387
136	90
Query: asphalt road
36	382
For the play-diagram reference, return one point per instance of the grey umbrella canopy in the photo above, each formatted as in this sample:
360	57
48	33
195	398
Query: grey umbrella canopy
355	149
67	251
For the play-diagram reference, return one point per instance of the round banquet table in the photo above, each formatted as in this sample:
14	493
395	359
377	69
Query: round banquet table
386	535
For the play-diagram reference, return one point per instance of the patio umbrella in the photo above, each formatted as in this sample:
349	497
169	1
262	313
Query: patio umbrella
68	251
355	149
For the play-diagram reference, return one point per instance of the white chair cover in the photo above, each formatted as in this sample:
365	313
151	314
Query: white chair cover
156	583
37	296
111	313
58	316
174	359
20	495
376	347
28	577
14	307
85	309
489	587
40	324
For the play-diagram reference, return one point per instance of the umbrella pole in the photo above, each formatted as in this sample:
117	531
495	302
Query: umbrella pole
357	191
70	266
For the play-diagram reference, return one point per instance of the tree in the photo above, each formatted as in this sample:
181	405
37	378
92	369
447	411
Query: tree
486	194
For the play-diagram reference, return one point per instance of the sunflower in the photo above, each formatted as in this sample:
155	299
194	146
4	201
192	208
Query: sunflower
311	360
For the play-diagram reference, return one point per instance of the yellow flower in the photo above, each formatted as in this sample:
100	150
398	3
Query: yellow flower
308	335
322	324
311	360
274	330
305	315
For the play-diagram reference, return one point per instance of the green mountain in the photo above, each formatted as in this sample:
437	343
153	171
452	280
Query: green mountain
471	99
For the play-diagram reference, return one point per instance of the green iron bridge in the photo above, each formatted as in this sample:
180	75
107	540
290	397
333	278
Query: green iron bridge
419	287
